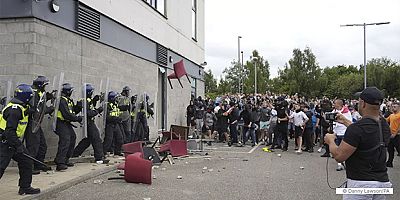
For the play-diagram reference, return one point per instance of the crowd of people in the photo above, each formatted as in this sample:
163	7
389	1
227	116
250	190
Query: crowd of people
276	119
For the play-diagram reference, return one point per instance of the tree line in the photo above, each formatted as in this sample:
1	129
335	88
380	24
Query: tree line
303	75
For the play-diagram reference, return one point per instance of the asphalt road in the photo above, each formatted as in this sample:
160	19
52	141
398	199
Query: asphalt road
232	173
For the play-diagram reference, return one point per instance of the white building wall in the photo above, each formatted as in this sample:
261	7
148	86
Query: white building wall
175	32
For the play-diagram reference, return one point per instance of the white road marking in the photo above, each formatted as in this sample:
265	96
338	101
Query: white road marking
254	148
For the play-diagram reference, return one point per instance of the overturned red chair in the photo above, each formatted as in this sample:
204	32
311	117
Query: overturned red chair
174	142
137	169
131	148
179	71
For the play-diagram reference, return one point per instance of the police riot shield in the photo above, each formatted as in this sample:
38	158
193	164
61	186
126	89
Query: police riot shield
56	101
39	105
102	124
5	92
84	111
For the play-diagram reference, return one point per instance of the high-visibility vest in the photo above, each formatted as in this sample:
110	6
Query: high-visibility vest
70	104
114	111
21	124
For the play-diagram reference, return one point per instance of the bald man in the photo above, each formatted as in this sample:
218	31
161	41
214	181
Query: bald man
364	146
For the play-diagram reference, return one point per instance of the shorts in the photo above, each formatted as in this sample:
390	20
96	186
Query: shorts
264	125
298	131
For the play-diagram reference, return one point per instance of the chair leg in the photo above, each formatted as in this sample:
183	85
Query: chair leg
170	84
179	80
188	79
165	157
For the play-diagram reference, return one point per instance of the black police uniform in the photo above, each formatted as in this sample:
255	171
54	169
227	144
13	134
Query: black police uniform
113	131
36	142
93	134
64	130
15	117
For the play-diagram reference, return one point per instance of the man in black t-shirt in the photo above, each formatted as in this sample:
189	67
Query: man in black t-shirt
364	146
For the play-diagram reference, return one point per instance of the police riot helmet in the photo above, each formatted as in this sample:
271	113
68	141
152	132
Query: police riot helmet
126	90
112	96
40	82
89	90
24	93
67	89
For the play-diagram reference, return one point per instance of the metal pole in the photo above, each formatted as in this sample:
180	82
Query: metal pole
255	77
241	71
365	60
239	61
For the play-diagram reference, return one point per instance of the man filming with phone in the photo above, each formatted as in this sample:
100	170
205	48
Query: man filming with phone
364	146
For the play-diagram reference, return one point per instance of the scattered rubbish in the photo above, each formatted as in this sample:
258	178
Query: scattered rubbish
93	169
179	177
117	171
205	168
207	158
99	162
266	149
203	171
146	198
222	158
163	169
186	162
52	183
239	169
50	172
245	160
210	170
223	168
219	170
279	155
154	177
301	168
156	167
115	162
98	181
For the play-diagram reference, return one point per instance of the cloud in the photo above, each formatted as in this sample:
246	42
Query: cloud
275	28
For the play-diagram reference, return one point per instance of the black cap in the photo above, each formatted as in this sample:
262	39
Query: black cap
371	95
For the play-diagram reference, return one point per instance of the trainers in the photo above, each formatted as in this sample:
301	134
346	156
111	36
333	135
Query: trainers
339	167
389	164
319	150
61	167
325	155
70	164
104	161
28	190
299	151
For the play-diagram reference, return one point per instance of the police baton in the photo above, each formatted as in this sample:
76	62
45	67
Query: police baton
35	160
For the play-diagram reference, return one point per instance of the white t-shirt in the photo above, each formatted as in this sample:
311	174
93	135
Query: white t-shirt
339	128
299	118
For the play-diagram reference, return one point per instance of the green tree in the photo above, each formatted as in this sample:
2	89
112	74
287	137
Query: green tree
262	74
210	82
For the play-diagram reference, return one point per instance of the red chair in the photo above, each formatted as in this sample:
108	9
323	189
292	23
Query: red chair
131	148
137	169
179	71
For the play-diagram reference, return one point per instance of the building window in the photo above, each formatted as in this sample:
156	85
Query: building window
193	86
158	5
194	19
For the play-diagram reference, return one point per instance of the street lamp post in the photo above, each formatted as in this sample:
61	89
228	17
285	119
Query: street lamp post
241	72
255	75
365	48
240	67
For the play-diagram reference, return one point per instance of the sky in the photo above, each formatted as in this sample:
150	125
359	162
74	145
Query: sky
276	27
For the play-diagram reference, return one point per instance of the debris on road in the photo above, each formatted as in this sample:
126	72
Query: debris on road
52	183
98	181
163	169
179	177
205	168
301	168
279	155
154	177
146	198
210	170
245	160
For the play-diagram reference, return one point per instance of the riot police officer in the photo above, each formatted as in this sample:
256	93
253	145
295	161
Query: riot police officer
113	131
93	134
13	124
34	136
124	104
64	129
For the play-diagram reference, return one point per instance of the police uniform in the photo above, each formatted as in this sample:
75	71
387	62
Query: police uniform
36	142
93	134
13	123
64	130
113	131
124	104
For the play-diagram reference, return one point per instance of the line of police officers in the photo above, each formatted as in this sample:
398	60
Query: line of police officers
21	118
